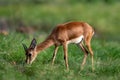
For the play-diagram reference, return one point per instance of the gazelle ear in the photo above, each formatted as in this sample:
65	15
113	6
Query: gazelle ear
33	44
25	47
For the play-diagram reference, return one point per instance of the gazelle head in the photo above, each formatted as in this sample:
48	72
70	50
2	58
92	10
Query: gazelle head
30	52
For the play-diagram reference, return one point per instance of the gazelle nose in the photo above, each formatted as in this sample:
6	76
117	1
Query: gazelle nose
29	55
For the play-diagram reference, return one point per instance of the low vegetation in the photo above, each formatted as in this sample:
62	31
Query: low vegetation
12	67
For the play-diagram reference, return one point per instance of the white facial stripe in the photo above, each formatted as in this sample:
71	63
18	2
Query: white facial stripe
76	40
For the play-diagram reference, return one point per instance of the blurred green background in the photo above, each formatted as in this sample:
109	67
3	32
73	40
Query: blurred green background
43	15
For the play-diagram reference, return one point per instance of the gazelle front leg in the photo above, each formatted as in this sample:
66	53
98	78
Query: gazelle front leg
54	54
65	48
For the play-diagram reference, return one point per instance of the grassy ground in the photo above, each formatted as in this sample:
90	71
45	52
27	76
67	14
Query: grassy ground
106	55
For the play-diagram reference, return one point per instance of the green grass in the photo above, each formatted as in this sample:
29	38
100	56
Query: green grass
12	67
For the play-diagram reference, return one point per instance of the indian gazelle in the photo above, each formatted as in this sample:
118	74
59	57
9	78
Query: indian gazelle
79	33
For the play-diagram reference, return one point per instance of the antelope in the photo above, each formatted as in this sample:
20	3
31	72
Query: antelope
25	29
4	32
22	28
3	27
79	33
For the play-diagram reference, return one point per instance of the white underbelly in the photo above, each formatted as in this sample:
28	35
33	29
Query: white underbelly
76	40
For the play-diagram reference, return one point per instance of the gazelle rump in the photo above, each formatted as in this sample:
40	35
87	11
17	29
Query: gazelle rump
79	33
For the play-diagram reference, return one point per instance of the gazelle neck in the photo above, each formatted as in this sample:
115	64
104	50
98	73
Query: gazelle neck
45	44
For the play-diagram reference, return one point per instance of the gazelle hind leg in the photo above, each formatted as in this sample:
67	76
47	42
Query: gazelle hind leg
88	45
85	54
